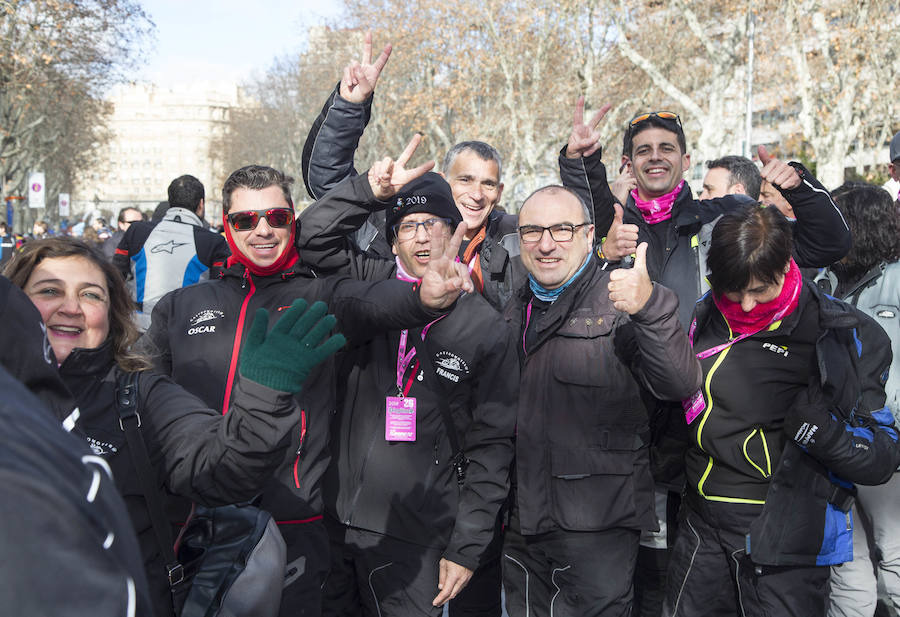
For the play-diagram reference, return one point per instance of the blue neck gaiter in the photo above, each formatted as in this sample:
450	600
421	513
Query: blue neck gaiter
550	295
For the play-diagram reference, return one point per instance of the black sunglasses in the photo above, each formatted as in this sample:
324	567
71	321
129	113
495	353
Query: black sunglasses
249	219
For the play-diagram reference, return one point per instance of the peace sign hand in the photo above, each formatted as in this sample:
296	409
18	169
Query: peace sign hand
359	79
386	176
445	277
585	138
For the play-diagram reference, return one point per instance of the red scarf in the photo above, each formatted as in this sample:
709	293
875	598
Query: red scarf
286	260
658	209
765	314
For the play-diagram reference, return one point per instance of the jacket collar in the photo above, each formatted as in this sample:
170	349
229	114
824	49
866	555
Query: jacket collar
239	272
557	313
182	215
82	362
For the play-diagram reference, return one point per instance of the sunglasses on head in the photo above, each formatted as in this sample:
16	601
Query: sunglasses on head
249	219
662	115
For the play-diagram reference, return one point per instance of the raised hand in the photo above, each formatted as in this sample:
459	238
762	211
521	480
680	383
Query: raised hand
621	239
623	185
445	277
297	342
776	171
629	289
386	176
585	138
359	79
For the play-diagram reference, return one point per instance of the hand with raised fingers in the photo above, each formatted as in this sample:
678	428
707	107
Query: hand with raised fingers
629	289
584	139
777	171
283	358
452	578
387	177
621	239
445	276
359	78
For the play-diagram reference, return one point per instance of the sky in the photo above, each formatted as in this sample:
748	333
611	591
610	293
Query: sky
226	40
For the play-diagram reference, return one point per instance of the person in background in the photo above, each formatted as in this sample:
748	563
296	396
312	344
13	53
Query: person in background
126	217
869	279
174	252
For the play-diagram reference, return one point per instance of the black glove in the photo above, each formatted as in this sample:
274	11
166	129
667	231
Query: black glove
283	359
810	425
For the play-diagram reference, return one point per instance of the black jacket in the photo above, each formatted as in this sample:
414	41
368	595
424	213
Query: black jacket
676	255
195	452
197	332
588	373
409	490
67	546
844	356
328	159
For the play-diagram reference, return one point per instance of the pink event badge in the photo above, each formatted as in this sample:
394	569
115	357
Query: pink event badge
400	419
693	406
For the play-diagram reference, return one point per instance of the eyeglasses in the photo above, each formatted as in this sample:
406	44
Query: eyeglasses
662	115
561	232
249	219
409	229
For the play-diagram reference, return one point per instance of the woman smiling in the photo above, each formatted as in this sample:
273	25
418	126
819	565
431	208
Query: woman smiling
195	452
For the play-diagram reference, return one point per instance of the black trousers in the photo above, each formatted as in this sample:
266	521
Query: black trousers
375	575
710	573
569	573
307	567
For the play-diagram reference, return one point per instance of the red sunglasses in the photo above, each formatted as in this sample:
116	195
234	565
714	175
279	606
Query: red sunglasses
249	219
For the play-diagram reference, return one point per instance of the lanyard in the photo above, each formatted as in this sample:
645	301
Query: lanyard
714	350
527	321
404	358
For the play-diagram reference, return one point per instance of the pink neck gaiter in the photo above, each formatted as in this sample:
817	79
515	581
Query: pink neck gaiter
658	209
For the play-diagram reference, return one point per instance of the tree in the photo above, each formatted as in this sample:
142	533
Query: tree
845	70
57	57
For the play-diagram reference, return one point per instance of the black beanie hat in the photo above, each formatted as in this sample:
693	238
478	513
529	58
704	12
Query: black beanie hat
429	193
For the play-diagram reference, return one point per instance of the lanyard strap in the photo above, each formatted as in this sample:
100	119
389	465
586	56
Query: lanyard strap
527	321
404	358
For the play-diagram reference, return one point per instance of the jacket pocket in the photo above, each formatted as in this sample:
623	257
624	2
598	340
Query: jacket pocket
756	452
592	488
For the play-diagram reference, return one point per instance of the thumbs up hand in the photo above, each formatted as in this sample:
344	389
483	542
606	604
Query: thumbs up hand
777	172
621	239
630	289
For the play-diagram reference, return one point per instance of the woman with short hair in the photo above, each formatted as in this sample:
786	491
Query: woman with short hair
791	413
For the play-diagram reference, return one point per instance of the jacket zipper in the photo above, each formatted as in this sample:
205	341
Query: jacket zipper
300	447
709	408
236	346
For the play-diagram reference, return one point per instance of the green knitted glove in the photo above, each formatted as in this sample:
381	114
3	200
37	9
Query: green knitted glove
297	343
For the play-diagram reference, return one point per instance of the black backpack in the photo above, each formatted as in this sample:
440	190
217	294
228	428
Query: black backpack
228	560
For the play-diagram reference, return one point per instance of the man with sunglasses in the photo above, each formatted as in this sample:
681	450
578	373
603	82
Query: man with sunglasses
594	346
197	333
411	517
176	251
663	212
